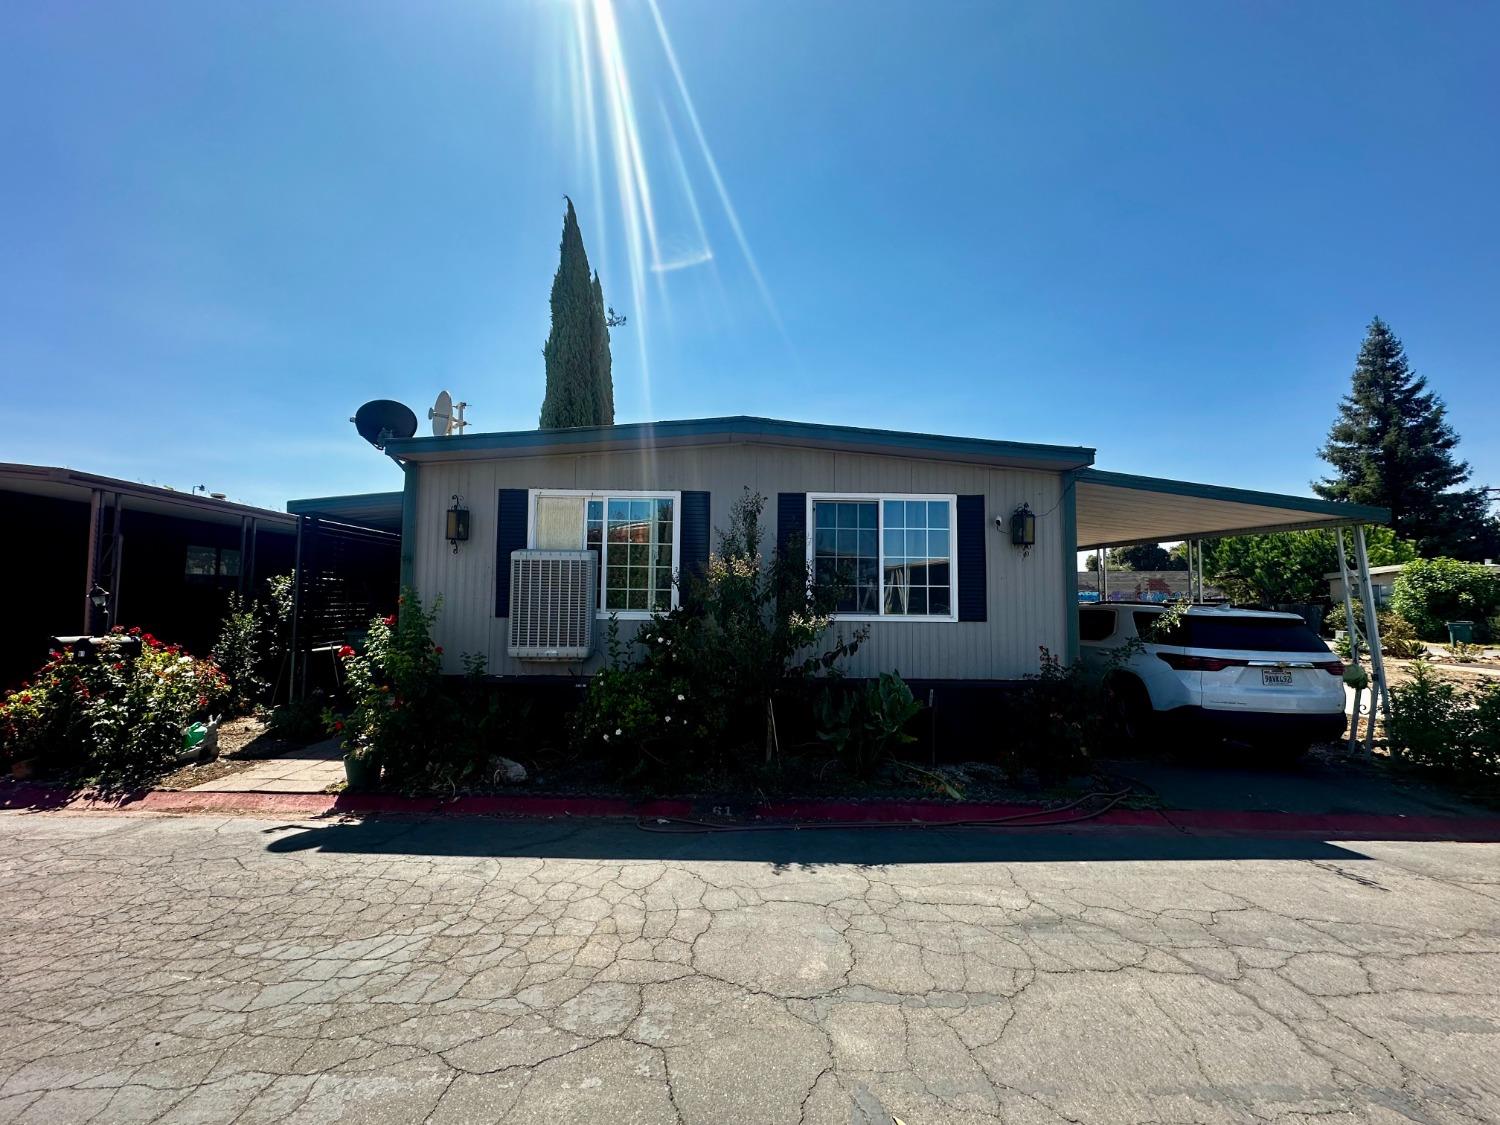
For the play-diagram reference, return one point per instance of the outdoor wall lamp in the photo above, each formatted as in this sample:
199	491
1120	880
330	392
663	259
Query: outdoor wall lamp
1023	527
458	522
99	596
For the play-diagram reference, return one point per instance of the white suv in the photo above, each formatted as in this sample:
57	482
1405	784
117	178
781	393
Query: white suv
1249	676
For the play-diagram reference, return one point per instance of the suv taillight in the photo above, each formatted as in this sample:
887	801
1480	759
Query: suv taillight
1332	667
1184	663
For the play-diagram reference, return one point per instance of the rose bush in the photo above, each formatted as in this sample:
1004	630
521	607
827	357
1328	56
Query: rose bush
108	717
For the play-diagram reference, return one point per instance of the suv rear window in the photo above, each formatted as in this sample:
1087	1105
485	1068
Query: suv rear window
1095	624
1248	634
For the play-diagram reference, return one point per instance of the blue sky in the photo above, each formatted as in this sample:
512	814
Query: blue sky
1156	229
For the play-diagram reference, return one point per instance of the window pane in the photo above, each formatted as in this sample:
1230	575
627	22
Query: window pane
916	600
895	513
895	543
916	513
637	599
824	514
867	516
229	562
614	599
938	574
937	544
895	600
848	514
559	522
916	544
826	541
201	562
616	577
867	546
638	554
848	543
619	511
596	509
662	599
938	601
937	513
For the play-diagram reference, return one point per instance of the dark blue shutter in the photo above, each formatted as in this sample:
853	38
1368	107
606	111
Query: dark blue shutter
970	558
510	535
791	519
694	526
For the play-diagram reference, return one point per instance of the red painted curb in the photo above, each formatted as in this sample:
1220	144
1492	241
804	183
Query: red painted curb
1198	822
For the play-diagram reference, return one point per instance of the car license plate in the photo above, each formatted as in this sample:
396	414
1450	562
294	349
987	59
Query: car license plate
1276	677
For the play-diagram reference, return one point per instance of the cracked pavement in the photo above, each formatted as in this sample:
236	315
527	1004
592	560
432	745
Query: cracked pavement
182	969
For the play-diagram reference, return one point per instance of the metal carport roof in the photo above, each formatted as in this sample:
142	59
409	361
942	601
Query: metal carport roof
1118	509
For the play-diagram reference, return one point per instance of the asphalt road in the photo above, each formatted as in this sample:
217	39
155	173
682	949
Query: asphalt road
197	970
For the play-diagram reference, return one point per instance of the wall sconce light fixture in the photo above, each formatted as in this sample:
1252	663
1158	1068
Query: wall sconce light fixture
458	522
1023	527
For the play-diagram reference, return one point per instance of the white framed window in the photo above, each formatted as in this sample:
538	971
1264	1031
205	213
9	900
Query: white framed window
635	536
892	555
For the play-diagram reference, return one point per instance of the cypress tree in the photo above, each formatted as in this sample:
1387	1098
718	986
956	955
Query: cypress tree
603	364
1392	446
575	394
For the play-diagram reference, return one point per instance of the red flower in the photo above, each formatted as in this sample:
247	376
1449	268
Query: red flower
391	620
438	649
338	725
150	640
135	630
26	697
345	653
203	701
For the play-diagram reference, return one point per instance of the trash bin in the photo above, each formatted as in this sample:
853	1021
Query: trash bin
1460	632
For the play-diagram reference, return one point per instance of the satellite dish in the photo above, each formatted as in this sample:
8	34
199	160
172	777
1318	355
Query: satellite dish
383	419
442	415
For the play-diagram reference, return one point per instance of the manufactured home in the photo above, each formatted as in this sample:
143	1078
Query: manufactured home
959	554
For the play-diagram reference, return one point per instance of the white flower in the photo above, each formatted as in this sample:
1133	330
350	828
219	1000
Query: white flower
682	699
669	718
184	660
658	640
606	738
618	731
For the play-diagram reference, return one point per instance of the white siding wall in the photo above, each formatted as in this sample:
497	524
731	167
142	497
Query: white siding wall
1027	602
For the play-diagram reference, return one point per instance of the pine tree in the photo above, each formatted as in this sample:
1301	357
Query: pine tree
603	364
1392	446
579	388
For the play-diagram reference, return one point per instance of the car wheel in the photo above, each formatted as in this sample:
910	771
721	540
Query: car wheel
1129	708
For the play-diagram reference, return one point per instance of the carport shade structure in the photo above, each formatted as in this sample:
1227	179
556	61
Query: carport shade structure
1120	509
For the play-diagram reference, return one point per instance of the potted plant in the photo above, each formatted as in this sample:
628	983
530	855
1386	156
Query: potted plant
361	768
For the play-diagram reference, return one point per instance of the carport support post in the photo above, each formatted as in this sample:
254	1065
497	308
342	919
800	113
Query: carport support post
1348	580
1379	694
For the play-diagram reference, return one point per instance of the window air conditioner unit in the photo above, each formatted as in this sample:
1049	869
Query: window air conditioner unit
552	596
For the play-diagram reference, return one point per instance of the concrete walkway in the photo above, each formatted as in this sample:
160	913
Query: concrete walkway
311	769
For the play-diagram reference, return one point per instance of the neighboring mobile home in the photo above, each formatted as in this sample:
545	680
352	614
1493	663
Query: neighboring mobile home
920	523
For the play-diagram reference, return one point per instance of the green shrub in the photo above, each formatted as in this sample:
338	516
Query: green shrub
237	652
1057	721
1431	592
400	717
108	717
1398	639
865	726
301	721
1441	725
693	691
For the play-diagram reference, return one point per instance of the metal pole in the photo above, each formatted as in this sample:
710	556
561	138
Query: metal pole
1348	581
1103	558
91	567
116	562
1200	572
291	686
1379	694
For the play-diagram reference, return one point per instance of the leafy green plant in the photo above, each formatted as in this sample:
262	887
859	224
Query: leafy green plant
1464	653
237	652
1289	567
110	717
1431	592
864	726
301	721
400	717
1441	725
1056	721
693	691
1398	639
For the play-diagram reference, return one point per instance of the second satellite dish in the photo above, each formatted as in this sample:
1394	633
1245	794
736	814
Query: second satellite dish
382	420
441	414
